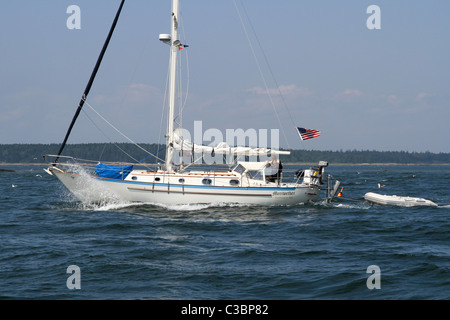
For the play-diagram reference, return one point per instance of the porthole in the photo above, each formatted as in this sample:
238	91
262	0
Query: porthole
157	178
181	180
207	181
234	182
133	178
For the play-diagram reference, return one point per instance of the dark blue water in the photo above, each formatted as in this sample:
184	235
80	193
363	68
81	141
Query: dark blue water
318	251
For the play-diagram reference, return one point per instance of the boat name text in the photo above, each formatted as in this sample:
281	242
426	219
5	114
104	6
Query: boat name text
283	193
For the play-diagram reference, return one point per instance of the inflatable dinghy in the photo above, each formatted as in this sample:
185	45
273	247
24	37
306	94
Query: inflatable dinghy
397	200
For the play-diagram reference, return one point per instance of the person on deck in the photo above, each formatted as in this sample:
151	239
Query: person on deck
277	168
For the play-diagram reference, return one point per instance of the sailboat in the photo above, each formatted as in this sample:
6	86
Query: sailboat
247	182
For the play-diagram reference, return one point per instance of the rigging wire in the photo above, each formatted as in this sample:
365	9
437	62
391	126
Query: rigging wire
259	66
181	101
269	67
121	133
179	118
183	104
163	111
99	129
122	103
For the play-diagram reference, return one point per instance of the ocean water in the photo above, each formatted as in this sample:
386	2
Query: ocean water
218	252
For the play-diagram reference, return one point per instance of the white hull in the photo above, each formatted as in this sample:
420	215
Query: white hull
247	183
94	189
397	200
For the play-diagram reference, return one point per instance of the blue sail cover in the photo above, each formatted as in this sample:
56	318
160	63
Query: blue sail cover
112	172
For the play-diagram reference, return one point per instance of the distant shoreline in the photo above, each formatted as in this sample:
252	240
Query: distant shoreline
32	155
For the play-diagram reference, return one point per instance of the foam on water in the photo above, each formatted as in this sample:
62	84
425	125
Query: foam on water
109	206
352	205
117	204
184	207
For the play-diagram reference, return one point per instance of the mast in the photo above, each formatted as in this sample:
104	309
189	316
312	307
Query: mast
174	47
91	80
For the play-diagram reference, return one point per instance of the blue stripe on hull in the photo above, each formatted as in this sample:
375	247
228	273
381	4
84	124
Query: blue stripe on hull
166	185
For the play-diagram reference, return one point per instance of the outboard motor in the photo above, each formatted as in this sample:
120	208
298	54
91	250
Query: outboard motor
322	166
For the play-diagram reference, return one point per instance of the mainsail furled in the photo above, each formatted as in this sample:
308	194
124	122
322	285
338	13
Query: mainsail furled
222	148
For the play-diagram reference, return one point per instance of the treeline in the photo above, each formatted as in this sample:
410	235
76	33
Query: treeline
113	152
355	156
127	152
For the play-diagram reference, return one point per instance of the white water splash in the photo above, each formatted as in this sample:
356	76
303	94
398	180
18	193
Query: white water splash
89	190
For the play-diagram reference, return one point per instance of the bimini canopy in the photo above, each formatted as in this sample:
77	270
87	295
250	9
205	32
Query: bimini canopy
253	166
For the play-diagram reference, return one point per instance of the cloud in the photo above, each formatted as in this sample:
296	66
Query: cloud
421	96
135	94
21	110
412	104
394	100
254	102
267	101
286	90
25	105
348	95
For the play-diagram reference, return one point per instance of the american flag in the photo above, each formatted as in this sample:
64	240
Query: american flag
306	134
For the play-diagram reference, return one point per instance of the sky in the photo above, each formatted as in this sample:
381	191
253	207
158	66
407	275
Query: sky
313	63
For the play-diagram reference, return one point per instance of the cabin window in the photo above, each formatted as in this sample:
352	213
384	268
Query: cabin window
256	175
207	181
181	180
133	178
157	178
239	168
234	182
